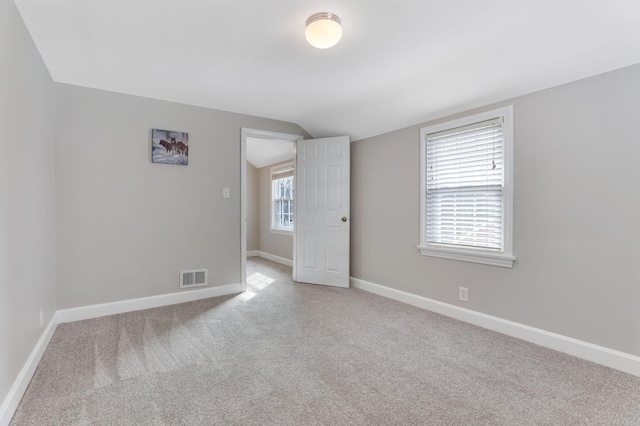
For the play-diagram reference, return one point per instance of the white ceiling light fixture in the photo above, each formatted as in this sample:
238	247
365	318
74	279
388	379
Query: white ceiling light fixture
323	30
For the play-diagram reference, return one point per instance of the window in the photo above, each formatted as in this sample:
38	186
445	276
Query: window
467	189
282	198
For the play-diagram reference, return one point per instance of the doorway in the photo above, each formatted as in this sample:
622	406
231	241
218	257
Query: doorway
267	159
320	237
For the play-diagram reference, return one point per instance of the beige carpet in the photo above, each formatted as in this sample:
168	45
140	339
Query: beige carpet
296	354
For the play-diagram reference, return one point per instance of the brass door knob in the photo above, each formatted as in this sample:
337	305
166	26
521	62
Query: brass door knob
344	218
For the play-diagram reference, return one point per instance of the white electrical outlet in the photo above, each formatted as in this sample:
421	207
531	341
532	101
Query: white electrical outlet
226	192
41	318
463	294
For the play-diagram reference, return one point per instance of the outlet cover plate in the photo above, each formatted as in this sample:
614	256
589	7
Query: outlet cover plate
463	294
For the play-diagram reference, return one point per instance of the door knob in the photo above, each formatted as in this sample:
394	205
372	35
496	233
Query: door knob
344	218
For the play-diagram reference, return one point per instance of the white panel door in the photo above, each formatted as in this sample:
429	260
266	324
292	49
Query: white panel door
322	220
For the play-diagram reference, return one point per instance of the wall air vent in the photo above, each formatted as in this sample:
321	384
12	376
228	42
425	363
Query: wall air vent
193	278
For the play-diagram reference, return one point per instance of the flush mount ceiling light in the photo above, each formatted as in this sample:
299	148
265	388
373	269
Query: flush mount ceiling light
323	30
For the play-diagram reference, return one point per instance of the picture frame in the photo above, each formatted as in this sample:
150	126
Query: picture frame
169	147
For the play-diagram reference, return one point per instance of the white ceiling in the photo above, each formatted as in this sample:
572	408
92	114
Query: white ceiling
265	152
399	62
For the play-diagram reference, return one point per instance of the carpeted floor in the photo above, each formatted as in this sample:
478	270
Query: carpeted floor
296	354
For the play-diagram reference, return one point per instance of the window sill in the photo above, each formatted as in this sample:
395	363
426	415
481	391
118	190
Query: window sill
281	231
484	257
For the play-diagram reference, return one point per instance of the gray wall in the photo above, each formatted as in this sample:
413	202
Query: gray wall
275	244
27	260
253	213
577	216
126	226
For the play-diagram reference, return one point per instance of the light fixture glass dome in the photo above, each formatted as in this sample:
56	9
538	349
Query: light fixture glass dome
323	30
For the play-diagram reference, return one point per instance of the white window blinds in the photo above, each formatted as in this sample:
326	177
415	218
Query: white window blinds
282	173
465	186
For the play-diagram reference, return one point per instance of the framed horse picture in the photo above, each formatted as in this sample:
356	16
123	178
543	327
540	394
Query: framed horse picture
169	147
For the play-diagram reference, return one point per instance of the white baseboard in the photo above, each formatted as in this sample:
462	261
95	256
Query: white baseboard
272	257
253	253
608	357
94	311
13	398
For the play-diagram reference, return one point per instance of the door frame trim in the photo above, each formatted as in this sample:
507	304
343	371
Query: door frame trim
261	134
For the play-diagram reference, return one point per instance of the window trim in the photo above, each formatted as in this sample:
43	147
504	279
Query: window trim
504	258
275	170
